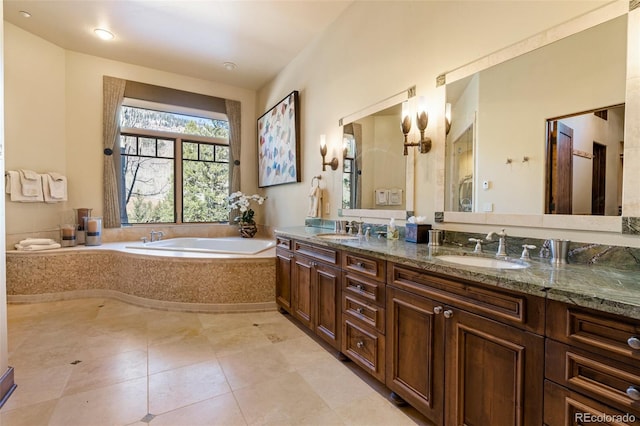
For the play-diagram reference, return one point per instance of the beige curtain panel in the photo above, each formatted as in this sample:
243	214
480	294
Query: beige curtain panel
113	94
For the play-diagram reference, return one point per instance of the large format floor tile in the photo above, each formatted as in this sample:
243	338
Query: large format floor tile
93	362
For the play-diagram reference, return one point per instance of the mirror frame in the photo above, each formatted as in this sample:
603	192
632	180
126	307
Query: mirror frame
570	222
409	167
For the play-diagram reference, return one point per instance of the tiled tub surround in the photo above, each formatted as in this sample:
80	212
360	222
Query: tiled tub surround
589	284
166	280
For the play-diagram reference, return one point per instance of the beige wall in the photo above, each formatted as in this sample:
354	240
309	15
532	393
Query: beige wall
4	346
377	49
53	109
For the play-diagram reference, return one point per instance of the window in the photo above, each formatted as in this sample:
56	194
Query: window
174	166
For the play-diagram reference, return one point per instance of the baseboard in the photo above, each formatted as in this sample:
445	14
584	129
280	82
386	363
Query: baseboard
7	386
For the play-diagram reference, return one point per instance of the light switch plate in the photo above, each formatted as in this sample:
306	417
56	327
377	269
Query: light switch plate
487	207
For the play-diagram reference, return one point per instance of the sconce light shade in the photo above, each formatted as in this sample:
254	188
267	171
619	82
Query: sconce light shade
422	119
323	152
447	117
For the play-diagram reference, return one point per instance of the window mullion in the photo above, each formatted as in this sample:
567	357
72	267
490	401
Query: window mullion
178	185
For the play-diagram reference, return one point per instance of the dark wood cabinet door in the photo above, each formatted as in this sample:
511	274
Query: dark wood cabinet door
563	407
415	352
327	321
494	372
284	259
302	290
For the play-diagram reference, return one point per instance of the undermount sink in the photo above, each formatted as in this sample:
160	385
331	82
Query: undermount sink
483	262
337	236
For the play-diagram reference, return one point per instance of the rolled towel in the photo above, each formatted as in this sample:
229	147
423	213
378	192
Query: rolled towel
36	247
36	241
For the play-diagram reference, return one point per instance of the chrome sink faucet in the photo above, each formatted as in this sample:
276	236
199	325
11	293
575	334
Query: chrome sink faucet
502	242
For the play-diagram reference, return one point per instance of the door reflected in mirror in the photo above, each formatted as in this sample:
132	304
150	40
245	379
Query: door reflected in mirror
584	163
459	172
374	167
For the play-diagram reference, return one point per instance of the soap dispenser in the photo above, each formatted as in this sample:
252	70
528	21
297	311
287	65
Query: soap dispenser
392	230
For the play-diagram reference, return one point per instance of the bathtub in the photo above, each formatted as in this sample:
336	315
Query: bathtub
229	245
184	274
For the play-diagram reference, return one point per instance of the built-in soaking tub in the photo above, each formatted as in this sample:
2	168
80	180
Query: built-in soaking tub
230	245
185	277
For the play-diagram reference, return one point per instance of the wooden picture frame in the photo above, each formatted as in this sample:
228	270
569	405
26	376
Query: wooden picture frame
279	143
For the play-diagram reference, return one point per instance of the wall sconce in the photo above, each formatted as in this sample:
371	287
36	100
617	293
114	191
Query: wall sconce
422	119
323	151
447	117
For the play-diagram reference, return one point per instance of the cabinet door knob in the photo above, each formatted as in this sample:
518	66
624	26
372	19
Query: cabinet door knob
633	392
634	342
437	310
360	345
448	313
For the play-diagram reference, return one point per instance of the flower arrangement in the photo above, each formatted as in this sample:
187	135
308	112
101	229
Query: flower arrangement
242	202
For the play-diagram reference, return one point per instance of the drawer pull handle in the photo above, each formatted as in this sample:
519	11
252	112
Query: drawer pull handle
634	393
634	342
437	310
448	313
360	310
359	287
360	264
360	345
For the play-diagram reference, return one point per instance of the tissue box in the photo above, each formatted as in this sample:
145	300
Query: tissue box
417	233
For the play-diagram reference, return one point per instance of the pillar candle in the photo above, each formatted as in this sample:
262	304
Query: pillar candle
92	225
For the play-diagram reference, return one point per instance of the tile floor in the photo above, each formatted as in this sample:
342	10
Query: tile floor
104	362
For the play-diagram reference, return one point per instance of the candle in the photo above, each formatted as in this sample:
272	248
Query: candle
92	225
68	232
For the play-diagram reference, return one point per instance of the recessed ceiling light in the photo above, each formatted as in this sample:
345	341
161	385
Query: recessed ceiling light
103	34
229	66
25	14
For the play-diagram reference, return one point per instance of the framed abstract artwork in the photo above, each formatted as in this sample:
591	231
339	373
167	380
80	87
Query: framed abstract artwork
279	143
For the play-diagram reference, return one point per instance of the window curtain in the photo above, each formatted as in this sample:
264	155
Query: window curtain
233	114
113	94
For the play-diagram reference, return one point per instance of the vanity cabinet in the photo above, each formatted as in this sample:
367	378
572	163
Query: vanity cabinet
363	308
462	353
592	364
284	259
309	287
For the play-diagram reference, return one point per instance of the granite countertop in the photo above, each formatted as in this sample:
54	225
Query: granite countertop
597	287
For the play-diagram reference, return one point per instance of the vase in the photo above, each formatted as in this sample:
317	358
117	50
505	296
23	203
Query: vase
247	230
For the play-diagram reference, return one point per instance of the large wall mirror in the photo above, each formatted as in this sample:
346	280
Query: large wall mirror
504	153
377	179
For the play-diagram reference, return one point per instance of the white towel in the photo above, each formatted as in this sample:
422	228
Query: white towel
36	247
14	188
36	241
31	183
54	187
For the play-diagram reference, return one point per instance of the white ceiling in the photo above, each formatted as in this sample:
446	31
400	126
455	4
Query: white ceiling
188	37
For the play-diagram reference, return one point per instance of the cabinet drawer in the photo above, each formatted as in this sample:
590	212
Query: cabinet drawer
364	346
366	289
283	242
520	310
317	252
564	407
367	266
610	335
608	381
372	315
